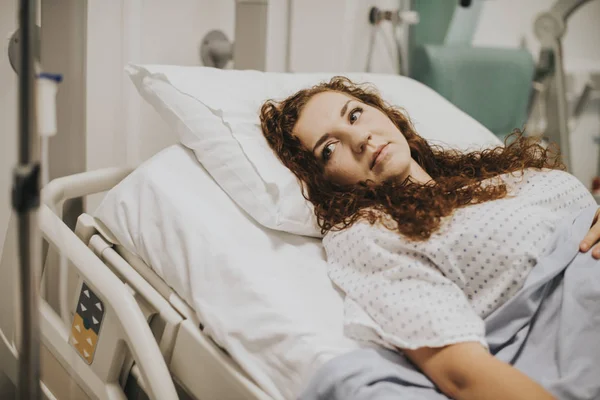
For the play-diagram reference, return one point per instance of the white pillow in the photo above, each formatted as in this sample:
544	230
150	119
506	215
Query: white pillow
263	295
215	113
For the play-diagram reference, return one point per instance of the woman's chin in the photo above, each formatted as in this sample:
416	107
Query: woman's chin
397	174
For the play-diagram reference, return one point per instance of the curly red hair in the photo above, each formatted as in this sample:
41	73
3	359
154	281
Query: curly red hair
416	209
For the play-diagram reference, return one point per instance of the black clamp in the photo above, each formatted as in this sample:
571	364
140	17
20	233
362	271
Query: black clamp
377	15
26	188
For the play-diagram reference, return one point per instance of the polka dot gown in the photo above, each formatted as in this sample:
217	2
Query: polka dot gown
406	294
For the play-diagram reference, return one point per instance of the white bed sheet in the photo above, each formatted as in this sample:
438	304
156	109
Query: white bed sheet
263	295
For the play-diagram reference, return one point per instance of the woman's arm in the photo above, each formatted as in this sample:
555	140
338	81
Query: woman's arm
467	371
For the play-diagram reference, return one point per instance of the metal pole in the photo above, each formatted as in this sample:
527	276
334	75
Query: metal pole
25	201
560	88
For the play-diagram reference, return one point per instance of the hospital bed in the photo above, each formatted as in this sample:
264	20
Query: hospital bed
190	348
142	310
182	288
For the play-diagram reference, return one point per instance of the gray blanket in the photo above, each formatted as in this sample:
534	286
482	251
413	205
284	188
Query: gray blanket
550	330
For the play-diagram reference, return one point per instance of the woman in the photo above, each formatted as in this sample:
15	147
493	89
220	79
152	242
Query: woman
424	242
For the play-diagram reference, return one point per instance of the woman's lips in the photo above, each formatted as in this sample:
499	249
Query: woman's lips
379	155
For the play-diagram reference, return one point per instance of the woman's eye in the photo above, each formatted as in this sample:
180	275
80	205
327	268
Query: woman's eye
328	151
353	116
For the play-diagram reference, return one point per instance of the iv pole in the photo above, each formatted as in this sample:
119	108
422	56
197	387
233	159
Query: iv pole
25	202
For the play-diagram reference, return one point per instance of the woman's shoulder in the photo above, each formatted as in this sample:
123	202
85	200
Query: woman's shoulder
363	232
341	231
533	176
541	172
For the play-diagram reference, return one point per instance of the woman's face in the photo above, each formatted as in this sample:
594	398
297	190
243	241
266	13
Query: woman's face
354	141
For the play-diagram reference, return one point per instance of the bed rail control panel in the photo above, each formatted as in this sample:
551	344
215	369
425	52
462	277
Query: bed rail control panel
86	323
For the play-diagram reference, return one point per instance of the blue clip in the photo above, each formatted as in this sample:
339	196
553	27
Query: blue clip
53	77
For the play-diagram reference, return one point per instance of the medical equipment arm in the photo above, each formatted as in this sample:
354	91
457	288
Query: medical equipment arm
549	28
564	8
467	371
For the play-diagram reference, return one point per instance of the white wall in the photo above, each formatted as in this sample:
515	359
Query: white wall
164	44
123	130
333	36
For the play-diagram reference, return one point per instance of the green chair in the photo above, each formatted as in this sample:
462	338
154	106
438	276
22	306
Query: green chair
492	85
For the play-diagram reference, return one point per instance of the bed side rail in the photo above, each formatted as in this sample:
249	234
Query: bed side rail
118	300
69	187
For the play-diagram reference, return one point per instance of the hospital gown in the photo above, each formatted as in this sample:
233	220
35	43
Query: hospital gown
408	294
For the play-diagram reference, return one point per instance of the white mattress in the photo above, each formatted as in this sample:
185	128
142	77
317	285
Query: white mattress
263	295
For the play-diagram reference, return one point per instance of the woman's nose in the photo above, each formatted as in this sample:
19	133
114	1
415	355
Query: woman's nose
361	140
